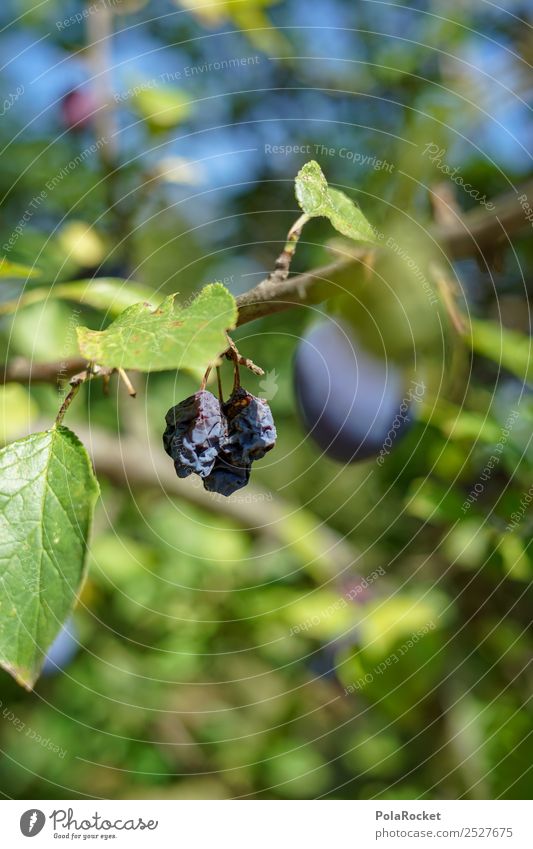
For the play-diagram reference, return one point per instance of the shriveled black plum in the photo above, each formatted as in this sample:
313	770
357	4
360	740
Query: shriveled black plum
251	429
227	476
196	428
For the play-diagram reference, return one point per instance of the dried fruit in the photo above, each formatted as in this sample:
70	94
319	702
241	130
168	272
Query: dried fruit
196	428
251	429
227	477
219	442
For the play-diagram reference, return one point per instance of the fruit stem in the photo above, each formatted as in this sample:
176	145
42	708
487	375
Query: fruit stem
219	382
205	378
236	376
127	382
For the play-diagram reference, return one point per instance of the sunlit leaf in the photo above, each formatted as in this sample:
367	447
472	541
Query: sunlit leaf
169	337
318	200
348	219
312	190
296	770
468	542
386	622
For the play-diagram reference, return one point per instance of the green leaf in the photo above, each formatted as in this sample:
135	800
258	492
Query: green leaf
13	270
312	190
317	199
509	348
169	337
108	294
348	219
47	499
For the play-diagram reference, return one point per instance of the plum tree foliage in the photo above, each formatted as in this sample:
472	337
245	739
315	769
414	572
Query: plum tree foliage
348	399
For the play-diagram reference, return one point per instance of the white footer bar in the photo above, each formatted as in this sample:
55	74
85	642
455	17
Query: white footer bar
267	824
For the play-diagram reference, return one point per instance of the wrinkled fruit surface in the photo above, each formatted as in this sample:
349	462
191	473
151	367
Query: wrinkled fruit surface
227	477
251	429
195	431
219	442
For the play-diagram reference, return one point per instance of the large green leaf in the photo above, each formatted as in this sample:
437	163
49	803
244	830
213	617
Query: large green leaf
47	497
169	337
508	348
317	199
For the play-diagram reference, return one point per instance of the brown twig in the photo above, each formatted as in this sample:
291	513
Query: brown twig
480	230
89	373
75	382
85	376
312	287
446	210
99	33
106	379
235	356
283	263
21	370
66	403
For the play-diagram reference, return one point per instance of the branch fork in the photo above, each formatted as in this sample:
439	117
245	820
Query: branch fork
89	373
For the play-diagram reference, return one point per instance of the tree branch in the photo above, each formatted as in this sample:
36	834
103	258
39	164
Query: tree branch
270	297
482	229
21	370
469	235
473	233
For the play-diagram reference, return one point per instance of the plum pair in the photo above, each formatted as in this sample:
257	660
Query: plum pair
219	441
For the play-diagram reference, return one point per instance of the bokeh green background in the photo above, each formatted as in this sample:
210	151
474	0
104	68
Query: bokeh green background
220	641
